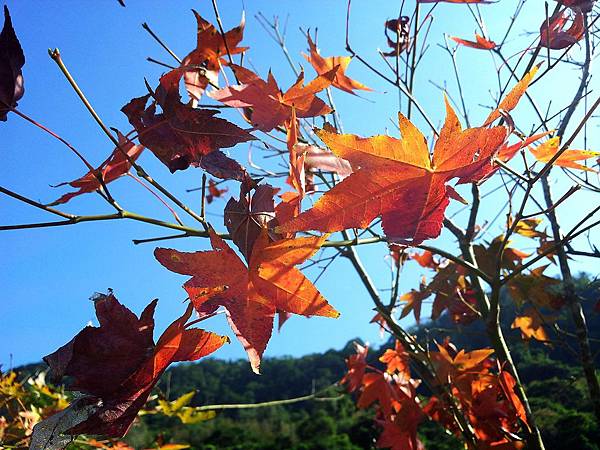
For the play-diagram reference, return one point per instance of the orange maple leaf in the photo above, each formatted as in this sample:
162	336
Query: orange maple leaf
400	181
324	64
250	294
396	359
480	42
203	63
531	325
545	151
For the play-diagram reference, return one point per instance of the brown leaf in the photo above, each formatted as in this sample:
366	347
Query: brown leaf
12	60
180	135
117	364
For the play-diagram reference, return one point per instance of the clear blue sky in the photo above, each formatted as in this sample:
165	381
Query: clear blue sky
47	275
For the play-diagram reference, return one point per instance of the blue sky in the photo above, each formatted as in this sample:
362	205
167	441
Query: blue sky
47	275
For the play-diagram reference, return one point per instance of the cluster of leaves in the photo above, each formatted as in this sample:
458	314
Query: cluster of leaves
487	401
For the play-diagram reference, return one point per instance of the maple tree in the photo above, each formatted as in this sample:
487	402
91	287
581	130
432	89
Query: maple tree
340	191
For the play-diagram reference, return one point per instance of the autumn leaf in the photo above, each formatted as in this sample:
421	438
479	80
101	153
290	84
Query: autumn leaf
12	60
545	151
247	217
180	135
453	366
528	228
401	41
376	387
250	294
536	288
531	325
117	364
554	33
203	63
357	364
214	191
425	259
480	42
400	433
396	359
322	65
270	106
399	180
115	166
413	301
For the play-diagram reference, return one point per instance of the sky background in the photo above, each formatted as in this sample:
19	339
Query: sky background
48	275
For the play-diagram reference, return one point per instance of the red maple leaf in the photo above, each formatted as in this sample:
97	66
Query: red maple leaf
12	60
270	106
377	387
554	33
250	294
180	135
117	364
115	166
357	365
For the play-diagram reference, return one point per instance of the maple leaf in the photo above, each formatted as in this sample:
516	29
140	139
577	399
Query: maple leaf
214	191
271	107
527	228
451	367
117	364
322	65
247	217
414	300
401	42
480	42
537	288
554	33
250	294
377	387
180	135
545	151
487	255
12	60
425	259
397	435
398	180
531	324
115	166
396	359
357	364
206	59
